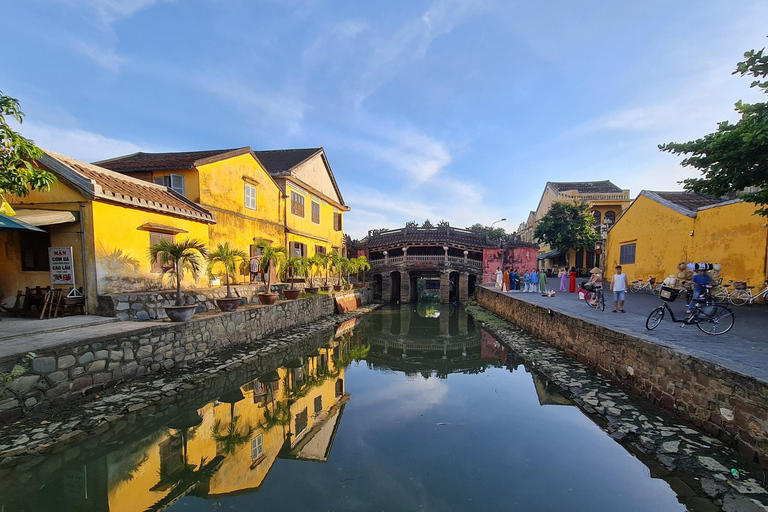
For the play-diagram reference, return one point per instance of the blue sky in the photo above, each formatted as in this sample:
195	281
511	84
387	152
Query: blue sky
442	109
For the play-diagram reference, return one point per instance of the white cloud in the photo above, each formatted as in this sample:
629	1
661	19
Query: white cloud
104	56
80	144
110	11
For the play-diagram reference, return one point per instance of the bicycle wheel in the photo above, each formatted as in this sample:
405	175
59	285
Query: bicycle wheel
635	287
719	295
655	318
649	289
657	289
739	297
715	320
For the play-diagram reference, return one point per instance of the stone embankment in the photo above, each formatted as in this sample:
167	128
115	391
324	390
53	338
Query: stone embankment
729	405
35	446
70	371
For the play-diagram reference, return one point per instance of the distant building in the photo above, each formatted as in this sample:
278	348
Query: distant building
662	229
606	201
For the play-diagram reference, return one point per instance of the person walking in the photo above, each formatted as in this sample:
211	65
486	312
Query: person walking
619	289
572	280
499	277
514	280
527	281
505	281
543	281
563	275
534	281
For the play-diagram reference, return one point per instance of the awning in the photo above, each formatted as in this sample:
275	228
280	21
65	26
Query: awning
45	217
14	224
550	255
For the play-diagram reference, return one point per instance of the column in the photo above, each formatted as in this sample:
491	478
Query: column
462	322
463	287
446	254
386	287
405	288
445	285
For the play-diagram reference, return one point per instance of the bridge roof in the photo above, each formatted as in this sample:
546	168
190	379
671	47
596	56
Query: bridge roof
427	236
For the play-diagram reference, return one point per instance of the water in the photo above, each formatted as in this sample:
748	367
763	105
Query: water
415	409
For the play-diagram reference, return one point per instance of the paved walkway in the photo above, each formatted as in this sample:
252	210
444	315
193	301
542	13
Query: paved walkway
744	349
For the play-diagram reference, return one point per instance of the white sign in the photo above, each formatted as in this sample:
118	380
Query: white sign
62	266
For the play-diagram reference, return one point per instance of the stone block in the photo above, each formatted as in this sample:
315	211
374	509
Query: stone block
67	361
123	317
101	354
115	355
58	390
122	306
24	384
56	376
97	366
127	354
85	358
143	316
144	351
77	370
43	364
82	382
101	378
8	404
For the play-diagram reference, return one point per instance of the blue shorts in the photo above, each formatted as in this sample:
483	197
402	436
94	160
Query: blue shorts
619	295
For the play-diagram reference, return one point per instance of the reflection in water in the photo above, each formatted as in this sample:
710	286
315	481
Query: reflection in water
425	436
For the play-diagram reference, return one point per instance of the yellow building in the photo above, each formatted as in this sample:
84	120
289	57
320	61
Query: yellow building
314	208
231	183
606	201
662	229
108	219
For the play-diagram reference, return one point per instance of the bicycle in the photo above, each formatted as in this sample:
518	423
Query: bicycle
742	296
710	318
597	301
649	286
720	292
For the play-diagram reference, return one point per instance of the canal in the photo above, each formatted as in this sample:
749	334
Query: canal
409	408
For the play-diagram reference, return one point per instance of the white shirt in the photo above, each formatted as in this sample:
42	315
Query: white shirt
619	282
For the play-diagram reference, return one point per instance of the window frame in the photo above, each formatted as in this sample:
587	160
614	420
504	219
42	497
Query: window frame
246	188
304	416
318	404
258	443
315	208
167	181
33	242
625	253
157	267
297	202
337	222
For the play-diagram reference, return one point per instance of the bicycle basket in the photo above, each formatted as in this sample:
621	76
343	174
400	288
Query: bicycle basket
669	294
740	285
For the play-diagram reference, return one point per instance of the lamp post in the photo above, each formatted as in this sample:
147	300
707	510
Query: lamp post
494	222
604	228
501	242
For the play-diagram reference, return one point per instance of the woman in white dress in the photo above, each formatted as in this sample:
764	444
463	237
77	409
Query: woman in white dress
499	277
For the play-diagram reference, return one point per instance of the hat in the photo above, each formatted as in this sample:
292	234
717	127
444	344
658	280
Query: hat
595	271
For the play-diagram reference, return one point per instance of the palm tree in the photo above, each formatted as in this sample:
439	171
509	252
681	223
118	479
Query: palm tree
335	260
184	255
362	264
271	256
322	260
228	257
295	266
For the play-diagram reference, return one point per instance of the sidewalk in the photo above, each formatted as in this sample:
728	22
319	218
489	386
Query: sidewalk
744	349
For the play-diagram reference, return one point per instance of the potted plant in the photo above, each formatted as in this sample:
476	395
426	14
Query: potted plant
229	257
270	256
335	261
294	267
324	262
312	266
183	255
361	264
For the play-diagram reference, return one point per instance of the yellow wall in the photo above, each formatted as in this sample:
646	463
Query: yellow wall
298	226
121	248
191	182
731	235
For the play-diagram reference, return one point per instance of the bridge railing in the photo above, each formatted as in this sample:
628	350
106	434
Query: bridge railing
425	258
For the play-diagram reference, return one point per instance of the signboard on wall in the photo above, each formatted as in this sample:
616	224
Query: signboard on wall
61	265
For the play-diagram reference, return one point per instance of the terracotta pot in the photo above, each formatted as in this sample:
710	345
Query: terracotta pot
291	294
338	287
268	298
228	304
180	313
312	290
326	288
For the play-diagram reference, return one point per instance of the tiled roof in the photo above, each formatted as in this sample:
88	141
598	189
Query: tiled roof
437	236
138	162
586	187
115	187
281	161
689	200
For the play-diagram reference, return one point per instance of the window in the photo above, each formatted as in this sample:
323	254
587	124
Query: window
257	447
297	249
301	421
297	204
319	249
174	181
318	404
610	217
627	254
155	237
34	251
337	221
598	216
315	212
250	196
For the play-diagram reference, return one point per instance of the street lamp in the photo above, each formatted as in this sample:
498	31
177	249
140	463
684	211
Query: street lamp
494	222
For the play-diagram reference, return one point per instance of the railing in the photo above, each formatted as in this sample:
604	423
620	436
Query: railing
425	258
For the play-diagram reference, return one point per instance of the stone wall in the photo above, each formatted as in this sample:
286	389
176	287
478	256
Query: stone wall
142	306
73	370
727	404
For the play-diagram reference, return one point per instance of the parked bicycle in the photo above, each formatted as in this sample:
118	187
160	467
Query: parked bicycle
649	286
742	294
720	291
596	300
710	318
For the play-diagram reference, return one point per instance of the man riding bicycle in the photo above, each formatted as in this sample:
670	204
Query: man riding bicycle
701	281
